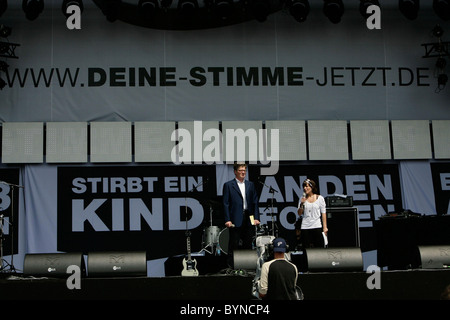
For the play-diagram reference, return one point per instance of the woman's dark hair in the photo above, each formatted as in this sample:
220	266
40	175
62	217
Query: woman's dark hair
311	183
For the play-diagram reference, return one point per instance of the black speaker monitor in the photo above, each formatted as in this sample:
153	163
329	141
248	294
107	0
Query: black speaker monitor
435	257
343	227
52	264
111	264
245	259
331	259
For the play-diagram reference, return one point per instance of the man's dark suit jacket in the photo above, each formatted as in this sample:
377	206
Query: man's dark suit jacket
233	201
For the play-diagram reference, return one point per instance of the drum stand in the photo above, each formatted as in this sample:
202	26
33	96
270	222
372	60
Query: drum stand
211	245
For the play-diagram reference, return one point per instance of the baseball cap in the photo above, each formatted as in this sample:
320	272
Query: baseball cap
279	245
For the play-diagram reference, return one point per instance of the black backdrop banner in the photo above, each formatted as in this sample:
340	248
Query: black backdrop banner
441	182
9	209
375	189
133	208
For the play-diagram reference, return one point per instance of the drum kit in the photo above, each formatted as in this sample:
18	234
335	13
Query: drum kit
215	239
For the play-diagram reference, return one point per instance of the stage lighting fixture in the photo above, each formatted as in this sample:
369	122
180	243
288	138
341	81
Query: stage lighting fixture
299	9
187	7
333	10
111	9
437	31
223	8
147	8
409	8
5	31
442	81
441	63
442	9
260	9
32	8
68	3
364	4
3	66
3	6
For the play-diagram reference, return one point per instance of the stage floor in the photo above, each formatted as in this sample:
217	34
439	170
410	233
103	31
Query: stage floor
419	284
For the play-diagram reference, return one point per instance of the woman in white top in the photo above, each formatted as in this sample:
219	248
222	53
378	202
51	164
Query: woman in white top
312	209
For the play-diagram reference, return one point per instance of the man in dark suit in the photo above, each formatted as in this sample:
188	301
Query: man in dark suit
240	203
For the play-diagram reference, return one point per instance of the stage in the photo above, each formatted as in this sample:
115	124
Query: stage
417	284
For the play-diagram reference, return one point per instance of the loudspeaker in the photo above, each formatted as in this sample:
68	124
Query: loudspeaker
334	259
111	264
245	259
435	257
343	227
52	264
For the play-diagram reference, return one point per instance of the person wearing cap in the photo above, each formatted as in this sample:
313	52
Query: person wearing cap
278	276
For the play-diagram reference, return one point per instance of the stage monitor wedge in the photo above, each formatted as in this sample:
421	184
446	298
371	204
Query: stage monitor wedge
245	259
435	257
52	265
334	259
117	264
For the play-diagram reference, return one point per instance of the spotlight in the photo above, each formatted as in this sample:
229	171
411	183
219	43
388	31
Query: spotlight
223	8
5	31
409	8
32	8
3	6
187	7
67	3
333	10
442	9
260	9
299	9
364	4
147	8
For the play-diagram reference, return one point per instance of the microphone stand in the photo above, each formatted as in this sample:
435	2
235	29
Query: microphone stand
13	186
272	191
2	266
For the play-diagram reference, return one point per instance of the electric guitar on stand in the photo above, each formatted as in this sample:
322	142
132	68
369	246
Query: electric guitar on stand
189	264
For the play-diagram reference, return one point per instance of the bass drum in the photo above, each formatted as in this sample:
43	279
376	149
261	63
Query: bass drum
224	236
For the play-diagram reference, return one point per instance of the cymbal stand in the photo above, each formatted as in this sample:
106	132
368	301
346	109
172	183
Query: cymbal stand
272	191
188	233
210	244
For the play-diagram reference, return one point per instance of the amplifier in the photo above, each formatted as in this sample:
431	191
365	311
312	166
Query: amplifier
339	201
